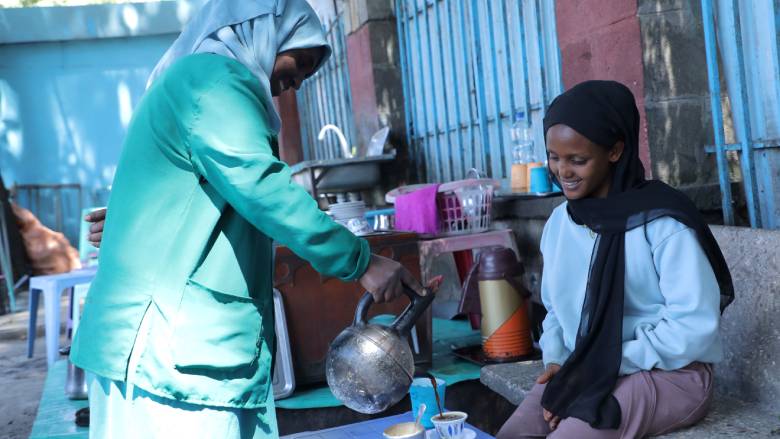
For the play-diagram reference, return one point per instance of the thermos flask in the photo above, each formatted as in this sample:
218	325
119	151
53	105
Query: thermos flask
503	303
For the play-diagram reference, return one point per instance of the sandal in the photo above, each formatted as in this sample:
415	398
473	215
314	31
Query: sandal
82	417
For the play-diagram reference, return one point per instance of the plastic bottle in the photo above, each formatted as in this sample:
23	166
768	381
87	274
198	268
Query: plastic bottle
522	152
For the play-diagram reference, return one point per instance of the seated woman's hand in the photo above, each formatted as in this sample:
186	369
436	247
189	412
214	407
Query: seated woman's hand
544	378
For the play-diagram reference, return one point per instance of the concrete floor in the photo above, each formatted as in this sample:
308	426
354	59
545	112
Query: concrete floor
21	381
21	378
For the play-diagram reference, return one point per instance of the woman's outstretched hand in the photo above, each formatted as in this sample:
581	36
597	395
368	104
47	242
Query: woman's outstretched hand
98	219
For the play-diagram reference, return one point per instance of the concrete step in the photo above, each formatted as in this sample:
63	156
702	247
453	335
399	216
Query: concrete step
732	418
728	418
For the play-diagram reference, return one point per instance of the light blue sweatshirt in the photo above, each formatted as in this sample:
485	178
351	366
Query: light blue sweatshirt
672	299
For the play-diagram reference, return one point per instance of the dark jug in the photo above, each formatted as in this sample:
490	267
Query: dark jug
370	367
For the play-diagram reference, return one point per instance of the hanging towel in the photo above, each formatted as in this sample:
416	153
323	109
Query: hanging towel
417	211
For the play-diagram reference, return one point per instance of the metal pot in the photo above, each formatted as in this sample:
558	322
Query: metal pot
370	367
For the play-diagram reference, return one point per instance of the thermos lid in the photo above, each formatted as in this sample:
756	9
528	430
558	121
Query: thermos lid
498	263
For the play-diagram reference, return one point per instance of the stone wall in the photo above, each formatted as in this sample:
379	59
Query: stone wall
750	326
677	103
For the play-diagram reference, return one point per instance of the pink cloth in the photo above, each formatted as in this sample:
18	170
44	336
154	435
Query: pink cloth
652	403
417	211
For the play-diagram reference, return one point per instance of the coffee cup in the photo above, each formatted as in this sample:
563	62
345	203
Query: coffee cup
405	430
450	425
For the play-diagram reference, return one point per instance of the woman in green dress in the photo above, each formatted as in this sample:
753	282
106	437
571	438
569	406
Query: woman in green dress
178	325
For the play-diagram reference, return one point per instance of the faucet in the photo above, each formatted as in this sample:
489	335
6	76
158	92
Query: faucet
342	141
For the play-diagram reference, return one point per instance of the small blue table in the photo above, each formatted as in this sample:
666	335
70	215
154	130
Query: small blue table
371	429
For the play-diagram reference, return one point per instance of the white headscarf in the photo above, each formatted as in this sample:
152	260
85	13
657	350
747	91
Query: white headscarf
252	32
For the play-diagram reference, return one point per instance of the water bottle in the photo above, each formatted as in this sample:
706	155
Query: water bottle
522	152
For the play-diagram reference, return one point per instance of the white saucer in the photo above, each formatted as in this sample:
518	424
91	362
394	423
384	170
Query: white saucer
467	434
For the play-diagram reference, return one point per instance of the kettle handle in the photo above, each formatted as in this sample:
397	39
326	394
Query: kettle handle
404	322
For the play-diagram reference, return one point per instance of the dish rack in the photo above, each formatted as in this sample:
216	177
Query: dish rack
464	206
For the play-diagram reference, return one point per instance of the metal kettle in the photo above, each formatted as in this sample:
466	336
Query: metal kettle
369	367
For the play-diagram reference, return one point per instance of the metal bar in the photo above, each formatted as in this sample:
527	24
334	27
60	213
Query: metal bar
422	150
542	55
554	32
439	166
400	29
756	144
776	47
330	117
524	63
472	123
327	147
5	263
742	124
38	202
306	126
449	174
345	79
713	77
57	201
311	133
479	84
337	71
330	83
303	120
456	88
508	56
417	149
499	162
428	149
311	105
320	148
469	81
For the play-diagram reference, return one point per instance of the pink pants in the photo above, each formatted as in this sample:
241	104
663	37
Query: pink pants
652	403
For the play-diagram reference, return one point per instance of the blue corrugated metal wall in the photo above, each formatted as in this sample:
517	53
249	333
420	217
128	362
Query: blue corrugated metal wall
468	66
325	98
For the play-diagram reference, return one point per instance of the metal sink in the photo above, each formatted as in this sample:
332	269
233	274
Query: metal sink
339	175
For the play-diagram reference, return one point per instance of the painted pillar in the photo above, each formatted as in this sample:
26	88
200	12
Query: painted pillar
290	148
374	70
601	39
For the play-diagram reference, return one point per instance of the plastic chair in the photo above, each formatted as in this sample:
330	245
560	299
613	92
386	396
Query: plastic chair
51	287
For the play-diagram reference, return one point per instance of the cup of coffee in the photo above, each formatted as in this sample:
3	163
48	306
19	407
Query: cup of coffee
405	430
450	425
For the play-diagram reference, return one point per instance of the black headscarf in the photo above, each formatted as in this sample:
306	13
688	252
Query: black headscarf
605	112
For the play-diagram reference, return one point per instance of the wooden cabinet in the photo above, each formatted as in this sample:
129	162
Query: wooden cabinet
317	308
